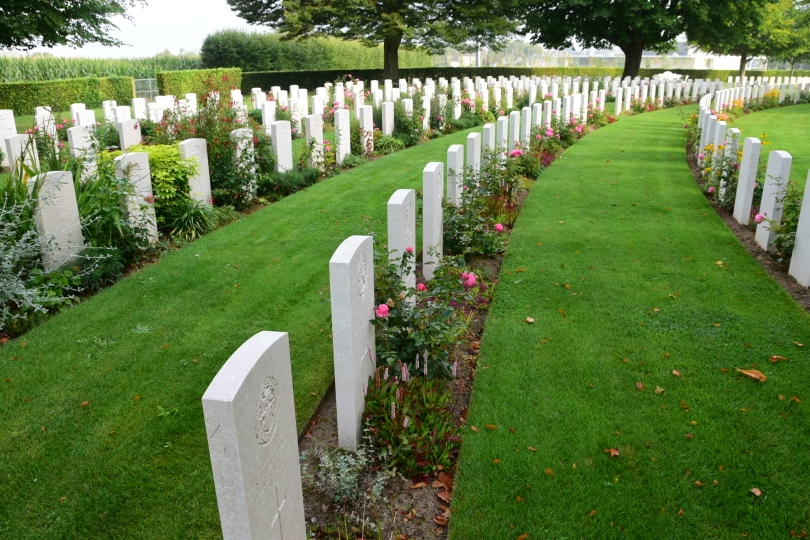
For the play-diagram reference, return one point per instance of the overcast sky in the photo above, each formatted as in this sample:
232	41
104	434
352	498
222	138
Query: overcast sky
161	25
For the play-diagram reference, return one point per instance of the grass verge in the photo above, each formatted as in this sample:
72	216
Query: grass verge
101	431
631	276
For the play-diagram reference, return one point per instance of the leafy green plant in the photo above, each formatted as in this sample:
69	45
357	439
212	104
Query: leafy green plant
339	474
188	219
386	144
411	423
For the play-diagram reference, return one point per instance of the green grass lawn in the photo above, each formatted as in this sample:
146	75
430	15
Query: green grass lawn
787	128
629	275
133	463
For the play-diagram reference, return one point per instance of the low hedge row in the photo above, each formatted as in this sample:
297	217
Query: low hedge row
315	78
24	97
199	81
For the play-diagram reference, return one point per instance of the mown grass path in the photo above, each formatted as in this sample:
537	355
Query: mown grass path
133	461
787	128
629	275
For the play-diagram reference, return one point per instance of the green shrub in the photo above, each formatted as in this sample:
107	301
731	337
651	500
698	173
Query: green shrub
99	267
277	185
188	219
200	82
24	97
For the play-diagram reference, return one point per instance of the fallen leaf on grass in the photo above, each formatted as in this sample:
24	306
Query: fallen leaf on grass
780	397
798	344
592	513
795	399
776	359
680	512
690	436
532	449
640	386
496	461
491	426
754	374
85	404
529	320
549	472
562	312
612	451
794	534
523	536
676	372
756	491
445	495
518	499
715	483
658	390
475	429
698	483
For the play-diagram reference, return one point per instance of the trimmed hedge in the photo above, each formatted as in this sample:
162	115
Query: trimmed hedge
199	81
315	78
24	97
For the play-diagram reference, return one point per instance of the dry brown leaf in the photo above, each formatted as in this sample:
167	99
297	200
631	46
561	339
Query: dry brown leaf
549	472
754	374
562	312
680	512
592	513
715	483
446	479
491	426
775	359
496	461
723	370
612	451
795	399
658	390
523	536
475	429
676	372
780	397
532	449
529	320
798	344
419	485
690	436
440	521
698	483
640	386
437	484
756	491
518	499
85	404
445	495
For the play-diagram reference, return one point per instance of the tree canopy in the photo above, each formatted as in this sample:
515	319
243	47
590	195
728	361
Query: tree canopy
431	24
748	31
631	25
25	24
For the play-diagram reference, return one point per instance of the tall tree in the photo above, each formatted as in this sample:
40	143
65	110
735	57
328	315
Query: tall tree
795	47
631	25
432	24
748	31
25	24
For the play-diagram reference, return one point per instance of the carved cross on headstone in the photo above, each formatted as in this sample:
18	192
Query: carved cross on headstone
278	519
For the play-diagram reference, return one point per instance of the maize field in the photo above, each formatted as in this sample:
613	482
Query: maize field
44	68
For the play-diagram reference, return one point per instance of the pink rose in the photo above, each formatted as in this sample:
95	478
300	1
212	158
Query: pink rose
499	227
517	152
759	218
421	287
711	189
409	249
382	311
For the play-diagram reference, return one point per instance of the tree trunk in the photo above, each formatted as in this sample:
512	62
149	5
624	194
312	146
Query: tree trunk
632	59
391	54
743	61
792	68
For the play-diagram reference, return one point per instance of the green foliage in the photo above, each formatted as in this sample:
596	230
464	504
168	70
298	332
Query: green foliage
188	219
278	185
258	51
785	231
45	23
338	474
386	144
24	97
99	267
412	423
199	81
49	68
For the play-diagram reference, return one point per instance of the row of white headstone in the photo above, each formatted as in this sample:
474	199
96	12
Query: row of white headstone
777	175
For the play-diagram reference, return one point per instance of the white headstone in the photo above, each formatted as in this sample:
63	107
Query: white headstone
56	216
109	110
748	177
86	118
21	148
343	139
139	109
281	137
199	185
488	144
80	143
777	176
122	113
351	281
800	260
455	173
313	128
402	230
129	133
367	125
388	118
139	204
433	219
8	128
75	109
474	152
252	439
244	156
268	115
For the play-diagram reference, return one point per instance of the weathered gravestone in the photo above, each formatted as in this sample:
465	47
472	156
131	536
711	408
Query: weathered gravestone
75	109
800	259
432	218
367	127
777	176
313	128
80	142
474	152
139	207
268	115
747	180
281	136
250	424
21	149
199	185
351	281
455	173
129	133
56	216
86	118
387	118
244	156
402	230
487	144
122	113
8	128
343	135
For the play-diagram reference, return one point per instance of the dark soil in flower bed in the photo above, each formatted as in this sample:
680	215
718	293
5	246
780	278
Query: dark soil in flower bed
745	234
